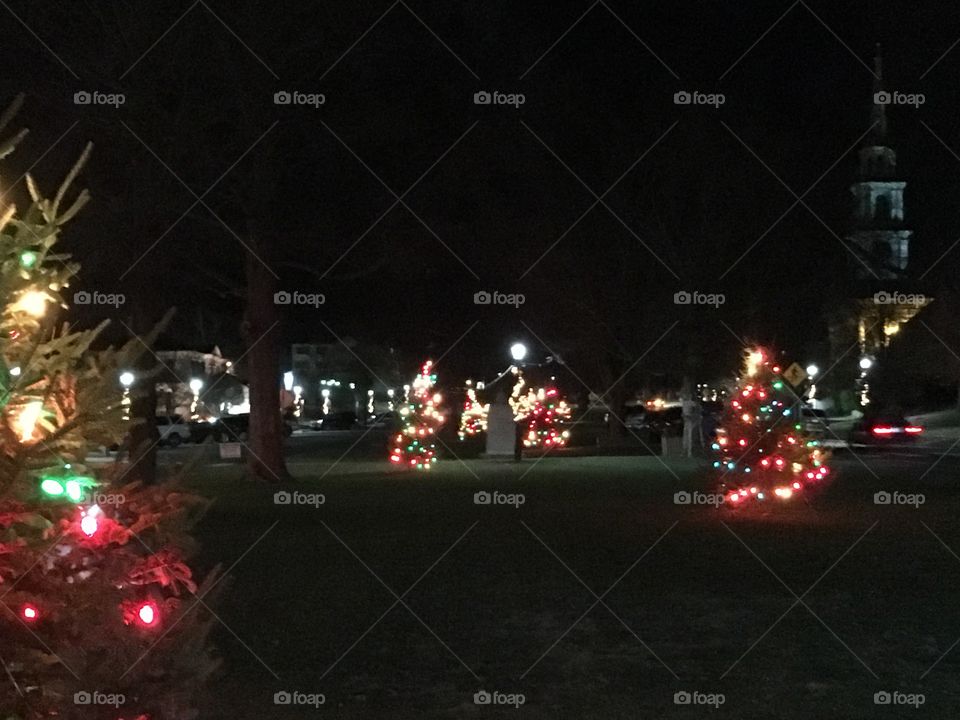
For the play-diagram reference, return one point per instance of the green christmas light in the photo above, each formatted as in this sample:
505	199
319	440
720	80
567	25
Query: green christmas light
28	259
71	486
52	487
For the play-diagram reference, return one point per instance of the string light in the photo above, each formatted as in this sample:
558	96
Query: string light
762	447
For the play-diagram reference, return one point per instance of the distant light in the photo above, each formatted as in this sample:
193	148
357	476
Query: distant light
15	371
29	612
127	378
287	381
518	351
28	259
866	363
812	370
196	385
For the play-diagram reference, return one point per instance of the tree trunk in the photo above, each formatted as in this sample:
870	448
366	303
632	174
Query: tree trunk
261	331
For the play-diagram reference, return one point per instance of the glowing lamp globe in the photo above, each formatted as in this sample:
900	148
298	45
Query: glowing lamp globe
518	351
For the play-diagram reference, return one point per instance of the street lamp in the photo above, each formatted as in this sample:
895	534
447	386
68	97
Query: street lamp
518	351
812	370
196	385
865	363
126	380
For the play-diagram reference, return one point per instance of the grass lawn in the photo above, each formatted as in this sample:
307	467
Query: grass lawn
506	601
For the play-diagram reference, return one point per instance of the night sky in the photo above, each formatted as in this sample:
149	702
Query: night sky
494	187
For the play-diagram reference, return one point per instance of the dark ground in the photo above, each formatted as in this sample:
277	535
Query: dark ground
698	611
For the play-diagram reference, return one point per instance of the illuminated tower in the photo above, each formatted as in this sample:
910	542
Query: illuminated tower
878	236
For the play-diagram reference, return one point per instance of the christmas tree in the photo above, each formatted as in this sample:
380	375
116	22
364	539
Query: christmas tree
421	415
763	452
540	410
94	590
473	420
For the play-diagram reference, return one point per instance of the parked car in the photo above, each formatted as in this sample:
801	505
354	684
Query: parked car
885	430
336	421
236	428
814	421
173	430
385	421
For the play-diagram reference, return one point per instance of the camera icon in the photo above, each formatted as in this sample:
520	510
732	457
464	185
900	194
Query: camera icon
882	298
882	98
82	298
82	97
282	498
82	698
682	97
282	698
882	498
482	498
482	98
282	297
482	298
482	698
282	97
882	698
682	697
682	498
682	297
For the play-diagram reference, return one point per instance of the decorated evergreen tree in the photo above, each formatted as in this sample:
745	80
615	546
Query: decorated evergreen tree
540	410
94	590
422	416
473	420
763	452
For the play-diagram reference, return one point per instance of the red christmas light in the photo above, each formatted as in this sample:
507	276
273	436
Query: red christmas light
29	613
148	614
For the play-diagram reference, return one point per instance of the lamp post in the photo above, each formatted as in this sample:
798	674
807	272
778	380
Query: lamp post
127	379
812	372
196	385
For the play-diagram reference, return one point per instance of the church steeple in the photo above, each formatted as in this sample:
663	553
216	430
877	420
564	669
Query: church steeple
878	231
878	110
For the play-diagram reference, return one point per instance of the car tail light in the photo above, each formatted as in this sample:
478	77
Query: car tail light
913	429
882	430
